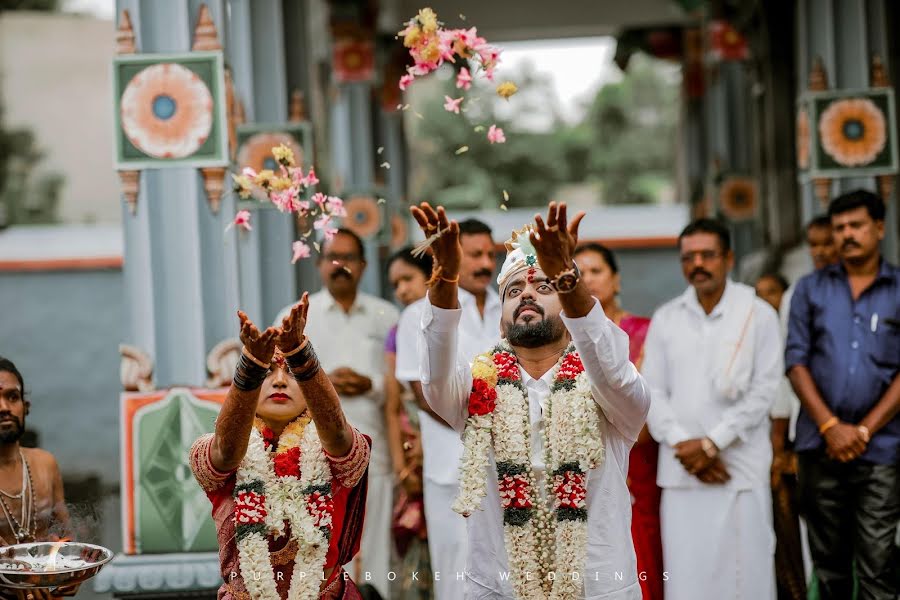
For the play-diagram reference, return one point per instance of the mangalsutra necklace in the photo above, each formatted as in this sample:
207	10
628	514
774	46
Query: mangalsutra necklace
22	530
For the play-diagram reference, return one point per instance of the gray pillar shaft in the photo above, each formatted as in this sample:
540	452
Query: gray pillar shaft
256	55
352	159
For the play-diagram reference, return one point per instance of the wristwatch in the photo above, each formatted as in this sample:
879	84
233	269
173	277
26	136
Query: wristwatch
709	447
566	280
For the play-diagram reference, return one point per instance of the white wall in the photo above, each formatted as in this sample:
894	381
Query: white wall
56	81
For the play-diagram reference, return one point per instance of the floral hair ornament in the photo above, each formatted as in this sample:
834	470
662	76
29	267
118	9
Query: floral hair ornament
520	255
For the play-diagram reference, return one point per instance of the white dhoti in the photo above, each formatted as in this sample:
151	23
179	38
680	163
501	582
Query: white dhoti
373	563
447	540
718	544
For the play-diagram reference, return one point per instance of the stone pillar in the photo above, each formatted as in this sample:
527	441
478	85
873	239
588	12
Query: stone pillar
846	35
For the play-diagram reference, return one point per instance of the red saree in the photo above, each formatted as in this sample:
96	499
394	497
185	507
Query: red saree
645	494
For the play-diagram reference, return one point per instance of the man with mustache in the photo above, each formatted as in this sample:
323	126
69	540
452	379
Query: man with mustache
552	410
479	328
713	362
348	328
843	360
31	489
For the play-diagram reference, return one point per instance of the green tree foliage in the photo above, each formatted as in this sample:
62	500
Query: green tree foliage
626	141
29	5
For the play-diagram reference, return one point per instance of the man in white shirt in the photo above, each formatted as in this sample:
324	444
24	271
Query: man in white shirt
348	328
713	361
479	328
604	401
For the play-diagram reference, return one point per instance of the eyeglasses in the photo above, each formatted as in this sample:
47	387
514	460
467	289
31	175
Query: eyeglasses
705	256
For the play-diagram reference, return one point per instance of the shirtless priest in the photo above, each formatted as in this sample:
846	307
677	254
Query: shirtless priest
548	418
31	487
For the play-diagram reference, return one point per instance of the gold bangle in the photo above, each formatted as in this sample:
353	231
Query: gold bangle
253	359
828	425
454	280
297	349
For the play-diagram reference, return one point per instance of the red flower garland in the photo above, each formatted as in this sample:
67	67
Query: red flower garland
570	490
483	398
288	462
570	367
321	507
507	366
514	492
249	508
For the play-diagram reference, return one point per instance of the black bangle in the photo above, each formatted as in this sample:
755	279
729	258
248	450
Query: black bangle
305	364
248	375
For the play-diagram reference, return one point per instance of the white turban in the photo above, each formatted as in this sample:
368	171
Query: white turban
520	255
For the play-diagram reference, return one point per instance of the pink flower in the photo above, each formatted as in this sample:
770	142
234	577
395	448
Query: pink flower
302	206
242	219
464	79
310	179
322	222
251	173
330	232
336	207
495	135
284	200
406	80
451	105
320	199
300	249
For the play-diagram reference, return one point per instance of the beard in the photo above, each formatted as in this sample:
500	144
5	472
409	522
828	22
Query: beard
535	334
8	434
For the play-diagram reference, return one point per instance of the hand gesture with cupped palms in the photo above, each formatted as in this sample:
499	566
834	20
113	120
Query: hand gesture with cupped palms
290	336
260	345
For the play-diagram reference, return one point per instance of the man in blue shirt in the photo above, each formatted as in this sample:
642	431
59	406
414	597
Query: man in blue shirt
843	360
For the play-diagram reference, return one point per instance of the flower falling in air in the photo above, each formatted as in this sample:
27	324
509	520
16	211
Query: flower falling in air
300	250
506	89
462	150
242	219
406	80
242	185
495	135
464	79
330	232
310	179
284	155
451	105
322	222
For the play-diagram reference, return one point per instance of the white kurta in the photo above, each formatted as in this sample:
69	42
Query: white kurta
356	340
442	447
718	541
610	570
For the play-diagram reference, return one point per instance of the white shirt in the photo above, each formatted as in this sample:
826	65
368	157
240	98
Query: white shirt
682	348
610	569
787	404
442	447
355	340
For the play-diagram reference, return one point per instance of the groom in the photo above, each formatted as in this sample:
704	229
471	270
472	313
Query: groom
542	520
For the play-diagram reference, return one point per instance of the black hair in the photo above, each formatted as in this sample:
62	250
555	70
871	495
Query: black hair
356	238
822	222
8	366
603	251
777	277
474	227
423	262
855	199
708	226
